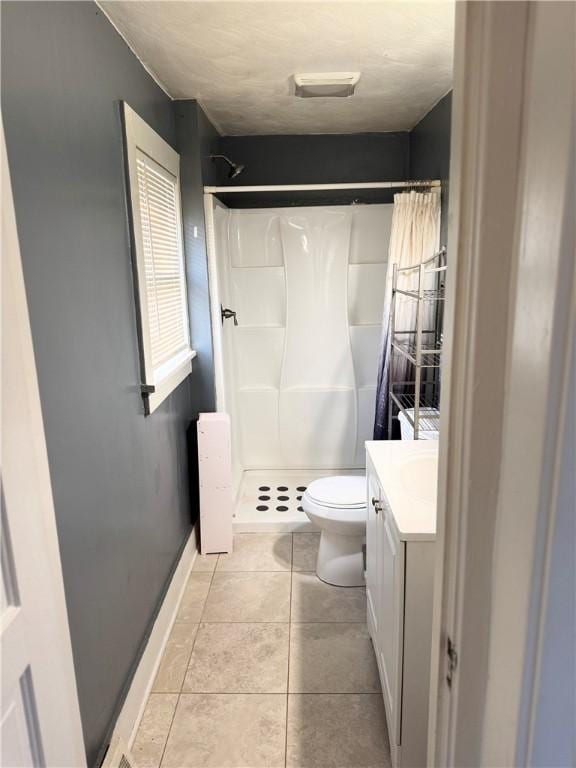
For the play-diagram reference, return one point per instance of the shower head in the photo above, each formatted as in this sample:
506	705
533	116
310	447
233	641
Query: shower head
235	168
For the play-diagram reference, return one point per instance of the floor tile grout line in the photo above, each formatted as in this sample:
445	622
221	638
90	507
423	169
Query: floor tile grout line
186	671
275	621
207	594
289	642
284	570
169	731
269	693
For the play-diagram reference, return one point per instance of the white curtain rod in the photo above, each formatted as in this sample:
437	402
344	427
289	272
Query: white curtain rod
319	187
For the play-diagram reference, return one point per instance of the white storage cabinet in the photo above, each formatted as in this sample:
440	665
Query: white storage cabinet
399	591
215	479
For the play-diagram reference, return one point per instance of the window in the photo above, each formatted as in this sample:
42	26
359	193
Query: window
160	277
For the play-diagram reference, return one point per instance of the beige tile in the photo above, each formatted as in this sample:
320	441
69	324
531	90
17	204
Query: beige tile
249	597
337	731
175	658
205	563
332	658
239	658
153	729
313	600
227	731
305	551
258	552
194	597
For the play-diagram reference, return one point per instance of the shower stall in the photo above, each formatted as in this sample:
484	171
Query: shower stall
297	296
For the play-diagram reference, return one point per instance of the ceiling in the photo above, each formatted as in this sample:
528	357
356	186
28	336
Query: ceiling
237	59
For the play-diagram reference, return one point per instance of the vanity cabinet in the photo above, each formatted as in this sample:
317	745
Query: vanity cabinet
399	592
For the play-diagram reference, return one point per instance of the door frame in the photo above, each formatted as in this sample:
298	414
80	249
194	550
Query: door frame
510	338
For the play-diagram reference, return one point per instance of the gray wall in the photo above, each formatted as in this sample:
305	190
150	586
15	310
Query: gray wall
120	480
430	151
323	158
196	139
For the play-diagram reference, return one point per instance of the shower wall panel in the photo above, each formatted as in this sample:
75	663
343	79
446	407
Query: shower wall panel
308	286
230	403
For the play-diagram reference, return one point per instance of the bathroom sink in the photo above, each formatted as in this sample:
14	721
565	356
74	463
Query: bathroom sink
418	476
407	473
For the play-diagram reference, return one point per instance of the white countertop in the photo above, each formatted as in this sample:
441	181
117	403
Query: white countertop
407	471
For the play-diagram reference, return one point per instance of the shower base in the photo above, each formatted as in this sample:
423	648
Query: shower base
282	511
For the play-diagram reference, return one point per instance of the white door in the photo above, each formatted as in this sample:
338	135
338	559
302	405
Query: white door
40	717
510	322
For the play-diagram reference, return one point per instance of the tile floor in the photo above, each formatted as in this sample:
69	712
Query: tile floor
266	667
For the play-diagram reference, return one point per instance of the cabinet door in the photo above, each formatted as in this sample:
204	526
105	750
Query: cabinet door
392	621
373	547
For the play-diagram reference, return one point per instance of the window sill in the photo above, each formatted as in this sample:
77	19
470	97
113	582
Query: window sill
175	375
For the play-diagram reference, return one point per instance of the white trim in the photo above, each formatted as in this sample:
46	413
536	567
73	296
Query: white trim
320	187
540	349
180	368
143	140
510	310
484	156
143	680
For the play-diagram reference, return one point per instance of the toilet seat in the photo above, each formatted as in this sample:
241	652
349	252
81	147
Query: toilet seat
337	504
339	492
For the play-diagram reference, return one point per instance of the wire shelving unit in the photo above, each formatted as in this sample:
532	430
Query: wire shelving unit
419	399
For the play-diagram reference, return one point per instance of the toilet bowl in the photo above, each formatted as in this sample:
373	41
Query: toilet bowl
337	505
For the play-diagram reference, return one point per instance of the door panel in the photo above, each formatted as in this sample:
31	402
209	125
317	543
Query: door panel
373	557
392	613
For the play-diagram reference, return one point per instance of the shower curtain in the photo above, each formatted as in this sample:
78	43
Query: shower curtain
415	236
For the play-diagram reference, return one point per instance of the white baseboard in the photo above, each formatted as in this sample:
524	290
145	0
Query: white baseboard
141	685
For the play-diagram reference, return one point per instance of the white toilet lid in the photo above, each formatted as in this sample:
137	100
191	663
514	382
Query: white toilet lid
339	491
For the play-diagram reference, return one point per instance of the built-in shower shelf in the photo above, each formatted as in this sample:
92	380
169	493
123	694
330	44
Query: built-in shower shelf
258	389
259	327
366	325
249	267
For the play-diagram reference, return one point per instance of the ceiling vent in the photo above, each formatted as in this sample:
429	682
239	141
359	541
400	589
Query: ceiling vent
325	84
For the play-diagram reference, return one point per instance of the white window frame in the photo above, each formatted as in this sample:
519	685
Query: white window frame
157	383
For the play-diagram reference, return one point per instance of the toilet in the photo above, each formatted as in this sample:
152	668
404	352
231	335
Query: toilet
337	505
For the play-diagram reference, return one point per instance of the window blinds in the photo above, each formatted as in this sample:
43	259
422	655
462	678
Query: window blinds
165	281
